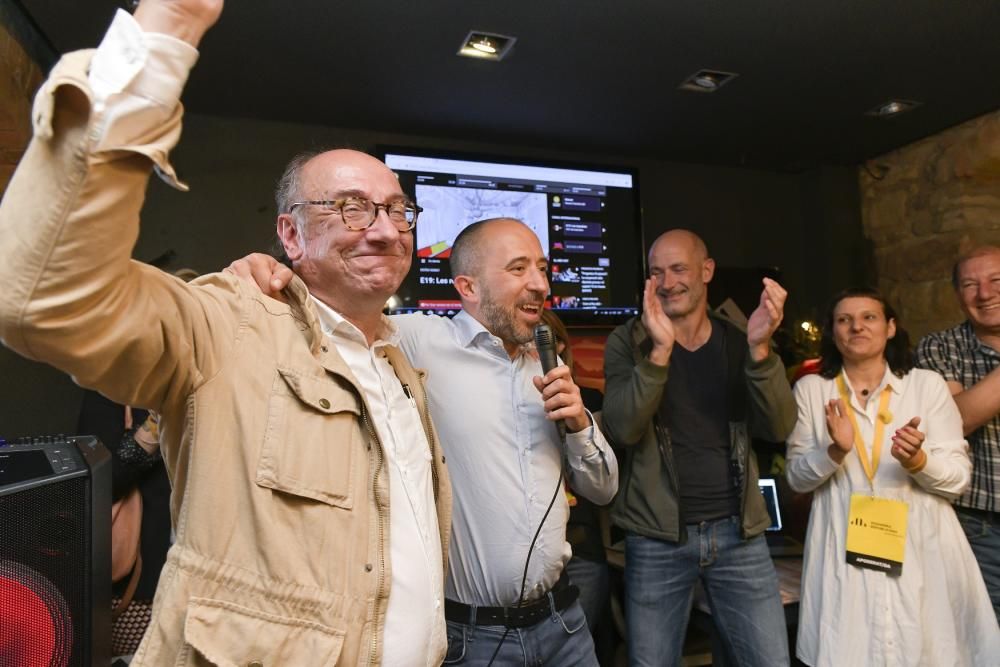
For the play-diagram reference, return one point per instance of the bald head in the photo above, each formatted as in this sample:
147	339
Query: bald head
310	171
470	245
351	270
683	240
681	268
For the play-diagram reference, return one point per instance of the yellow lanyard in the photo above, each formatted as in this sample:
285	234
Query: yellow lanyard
882	418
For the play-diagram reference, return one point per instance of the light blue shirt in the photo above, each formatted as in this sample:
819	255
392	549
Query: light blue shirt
504	458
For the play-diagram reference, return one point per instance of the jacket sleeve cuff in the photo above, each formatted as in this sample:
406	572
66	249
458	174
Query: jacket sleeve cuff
153	142
764	367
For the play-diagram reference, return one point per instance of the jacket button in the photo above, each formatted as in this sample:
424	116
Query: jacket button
325	348
323	403
368	567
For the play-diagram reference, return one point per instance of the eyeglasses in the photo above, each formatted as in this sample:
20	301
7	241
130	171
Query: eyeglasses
359	214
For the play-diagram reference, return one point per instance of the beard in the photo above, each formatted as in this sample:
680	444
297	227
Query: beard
502	321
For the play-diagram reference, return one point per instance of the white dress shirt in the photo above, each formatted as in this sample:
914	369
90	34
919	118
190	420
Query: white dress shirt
937	612
504	458
414	620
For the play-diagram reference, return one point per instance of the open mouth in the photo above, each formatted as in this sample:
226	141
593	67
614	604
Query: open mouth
532	310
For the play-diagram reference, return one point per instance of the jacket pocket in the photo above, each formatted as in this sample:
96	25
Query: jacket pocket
312	443
228	635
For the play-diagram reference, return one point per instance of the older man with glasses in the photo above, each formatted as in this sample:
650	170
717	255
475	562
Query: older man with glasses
289	429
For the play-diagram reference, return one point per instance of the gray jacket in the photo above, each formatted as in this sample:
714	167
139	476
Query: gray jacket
760	404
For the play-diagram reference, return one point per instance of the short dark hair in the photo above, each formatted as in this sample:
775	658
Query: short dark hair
898	354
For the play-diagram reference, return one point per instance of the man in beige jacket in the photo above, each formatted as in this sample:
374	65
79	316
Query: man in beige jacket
289	430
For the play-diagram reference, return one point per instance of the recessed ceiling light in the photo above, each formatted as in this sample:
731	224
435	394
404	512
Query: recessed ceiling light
707	81
892	108
486	45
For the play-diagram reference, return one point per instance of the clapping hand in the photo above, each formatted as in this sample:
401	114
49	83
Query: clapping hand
907	445
840	429
657	324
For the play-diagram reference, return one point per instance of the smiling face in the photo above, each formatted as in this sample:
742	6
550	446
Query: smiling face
978	286
507	291
860	328
679	263
348	270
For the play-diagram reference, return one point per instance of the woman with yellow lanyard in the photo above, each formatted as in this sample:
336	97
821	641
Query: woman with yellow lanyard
888	576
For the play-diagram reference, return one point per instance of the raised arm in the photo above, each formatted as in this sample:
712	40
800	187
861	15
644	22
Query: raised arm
69	219
632	389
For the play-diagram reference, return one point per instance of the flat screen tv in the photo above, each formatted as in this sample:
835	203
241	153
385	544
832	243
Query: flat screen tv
587	218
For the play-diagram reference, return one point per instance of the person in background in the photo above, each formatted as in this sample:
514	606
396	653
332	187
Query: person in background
130	434
282	425
684	392
968	357
870	426
588	568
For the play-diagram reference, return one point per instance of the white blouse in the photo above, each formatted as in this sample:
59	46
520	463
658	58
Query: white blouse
937	612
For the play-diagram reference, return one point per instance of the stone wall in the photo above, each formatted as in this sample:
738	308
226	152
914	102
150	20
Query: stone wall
922	205
19	78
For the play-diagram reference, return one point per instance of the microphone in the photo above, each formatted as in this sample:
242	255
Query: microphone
545	344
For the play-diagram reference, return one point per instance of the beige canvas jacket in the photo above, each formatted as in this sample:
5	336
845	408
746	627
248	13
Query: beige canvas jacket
280	490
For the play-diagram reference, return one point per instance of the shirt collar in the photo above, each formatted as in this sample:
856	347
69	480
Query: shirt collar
335	324
472	332
895	384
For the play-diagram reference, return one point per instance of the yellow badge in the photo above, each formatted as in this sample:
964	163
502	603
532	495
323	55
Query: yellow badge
876	533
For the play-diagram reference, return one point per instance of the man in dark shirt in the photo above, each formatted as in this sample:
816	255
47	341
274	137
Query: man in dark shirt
689	500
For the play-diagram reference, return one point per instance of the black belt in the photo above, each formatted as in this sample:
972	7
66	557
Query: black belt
528	614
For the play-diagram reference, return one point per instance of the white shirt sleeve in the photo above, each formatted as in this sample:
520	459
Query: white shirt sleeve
136	79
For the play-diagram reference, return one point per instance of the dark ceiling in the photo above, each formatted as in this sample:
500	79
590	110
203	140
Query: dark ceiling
598	77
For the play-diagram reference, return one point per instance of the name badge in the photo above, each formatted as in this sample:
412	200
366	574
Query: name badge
876	533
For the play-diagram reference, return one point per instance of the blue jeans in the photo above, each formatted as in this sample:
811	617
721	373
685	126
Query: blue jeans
739	580
984	538
561	640
593	580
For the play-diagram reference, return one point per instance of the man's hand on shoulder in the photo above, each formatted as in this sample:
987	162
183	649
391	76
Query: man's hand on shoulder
765	319
187	20
263	272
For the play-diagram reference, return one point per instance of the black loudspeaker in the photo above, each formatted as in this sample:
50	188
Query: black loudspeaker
55	552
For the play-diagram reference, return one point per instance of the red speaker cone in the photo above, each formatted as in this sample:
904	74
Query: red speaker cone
36	629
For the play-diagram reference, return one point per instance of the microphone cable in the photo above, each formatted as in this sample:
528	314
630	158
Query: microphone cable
524	575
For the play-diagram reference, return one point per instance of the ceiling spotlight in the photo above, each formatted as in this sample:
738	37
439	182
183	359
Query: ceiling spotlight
707	81
892	108
486	45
